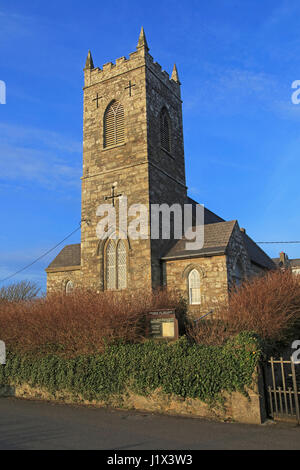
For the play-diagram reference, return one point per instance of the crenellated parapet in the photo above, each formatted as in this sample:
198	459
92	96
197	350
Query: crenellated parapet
140	58
172	82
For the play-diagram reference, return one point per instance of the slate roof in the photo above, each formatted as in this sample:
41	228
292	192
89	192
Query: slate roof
217	234
70	255
256	254
216	239
209	216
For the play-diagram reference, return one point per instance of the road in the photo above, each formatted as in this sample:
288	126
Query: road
39	425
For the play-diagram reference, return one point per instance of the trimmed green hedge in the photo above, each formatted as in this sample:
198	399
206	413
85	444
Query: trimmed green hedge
180	368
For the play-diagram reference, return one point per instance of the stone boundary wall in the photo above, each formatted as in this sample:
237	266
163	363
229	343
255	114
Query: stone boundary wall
237	407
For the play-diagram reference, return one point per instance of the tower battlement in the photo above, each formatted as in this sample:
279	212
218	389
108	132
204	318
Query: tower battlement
139	58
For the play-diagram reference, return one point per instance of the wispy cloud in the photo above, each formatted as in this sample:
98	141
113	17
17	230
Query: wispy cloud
284	11
233	90
14	26
53	140
226	161
47	158
11	262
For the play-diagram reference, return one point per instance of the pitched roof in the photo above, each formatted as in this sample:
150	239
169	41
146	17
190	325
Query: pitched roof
209	216
256	254
70	255
216	239
217	233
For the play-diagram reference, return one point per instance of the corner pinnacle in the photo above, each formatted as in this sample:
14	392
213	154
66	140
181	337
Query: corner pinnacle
142	40
175	76
89	62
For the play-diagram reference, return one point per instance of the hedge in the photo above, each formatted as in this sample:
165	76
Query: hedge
180	368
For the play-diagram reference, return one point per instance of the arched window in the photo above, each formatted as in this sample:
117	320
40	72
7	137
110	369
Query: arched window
114	124
122	265
69	287
165	130
194	287
116	265
111	265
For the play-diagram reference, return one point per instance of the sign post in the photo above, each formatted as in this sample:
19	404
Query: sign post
2	353
163	324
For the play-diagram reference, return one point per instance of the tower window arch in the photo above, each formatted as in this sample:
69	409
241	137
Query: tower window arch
116	265
194	287
165	130
114	124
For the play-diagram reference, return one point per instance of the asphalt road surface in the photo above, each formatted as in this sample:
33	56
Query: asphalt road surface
41	425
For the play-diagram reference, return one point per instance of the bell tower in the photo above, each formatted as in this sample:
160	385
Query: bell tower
132	146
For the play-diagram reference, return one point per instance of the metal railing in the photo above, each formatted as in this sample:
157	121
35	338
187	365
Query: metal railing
284	393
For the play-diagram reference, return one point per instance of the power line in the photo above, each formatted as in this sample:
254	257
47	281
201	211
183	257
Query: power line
295	242
42	256
76	230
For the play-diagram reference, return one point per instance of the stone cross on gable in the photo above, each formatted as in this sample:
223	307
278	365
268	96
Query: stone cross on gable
113	195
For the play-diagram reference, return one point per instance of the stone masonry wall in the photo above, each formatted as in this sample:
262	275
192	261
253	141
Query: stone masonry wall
57	280
142	170
237	253
167	181
213	274
125	164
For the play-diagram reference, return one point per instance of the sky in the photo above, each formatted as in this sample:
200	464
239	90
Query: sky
237	60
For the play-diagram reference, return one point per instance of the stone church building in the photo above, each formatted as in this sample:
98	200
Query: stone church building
133	146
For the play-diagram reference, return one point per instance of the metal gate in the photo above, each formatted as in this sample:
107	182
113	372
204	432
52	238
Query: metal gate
283	389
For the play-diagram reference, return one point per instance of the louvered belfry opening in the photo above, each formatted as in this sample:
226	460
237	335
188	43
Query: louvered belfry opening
165	138
114	124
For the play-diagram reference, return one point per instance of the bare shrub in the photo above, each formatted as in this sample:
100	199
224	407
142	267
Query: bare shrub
80	323
268	305
209	332
19	291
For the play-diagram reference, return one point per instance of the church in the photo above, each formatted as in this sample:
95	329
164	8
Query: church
133	146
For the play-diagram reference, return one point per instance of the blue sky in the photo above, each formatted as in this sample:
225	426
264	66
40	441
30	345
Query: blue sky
236	60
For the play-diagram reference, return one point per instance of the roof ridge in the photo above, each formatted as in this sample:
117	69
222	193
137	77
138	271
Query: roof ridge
246	237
